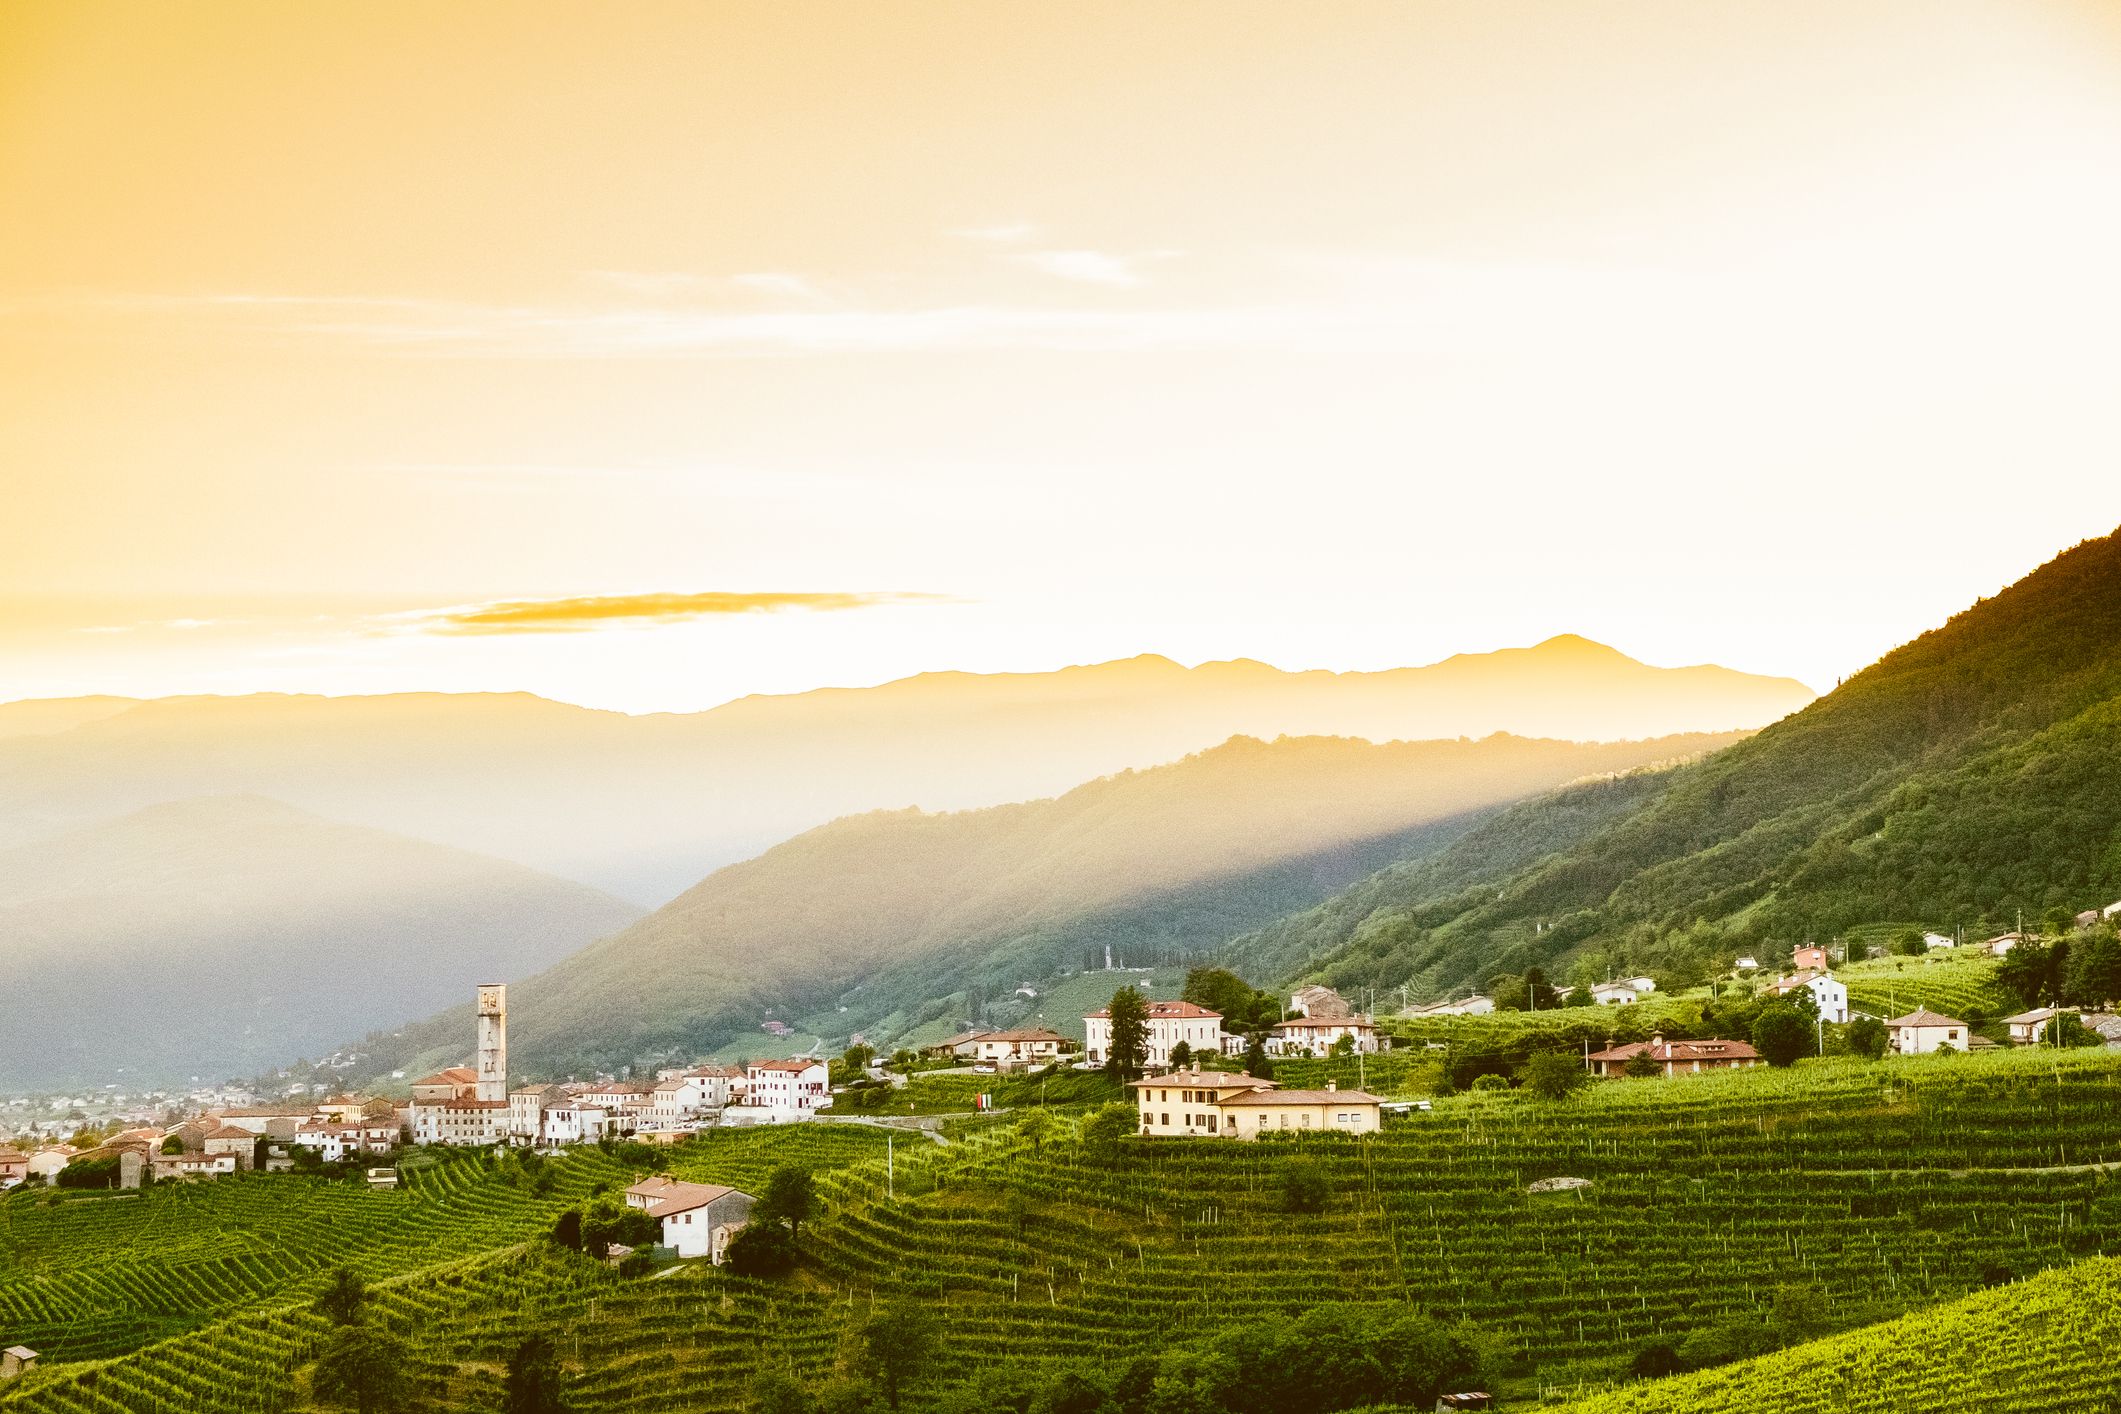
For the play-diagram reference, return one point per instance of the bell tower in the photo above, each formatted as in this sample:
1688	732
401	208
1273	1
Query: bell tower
493	1041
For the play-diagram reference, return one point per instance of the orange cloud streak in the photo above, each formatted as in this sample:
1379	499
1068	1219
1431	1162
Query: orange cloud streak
575	615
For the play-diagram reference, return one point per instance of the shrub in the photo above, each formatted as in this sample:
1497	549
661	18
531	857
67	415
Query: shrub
1303	1186
761	1250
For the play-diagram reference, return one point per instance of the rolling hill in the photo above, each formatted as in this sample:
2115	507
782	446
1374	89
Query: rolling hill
646	806
218	936
870	918
1966	776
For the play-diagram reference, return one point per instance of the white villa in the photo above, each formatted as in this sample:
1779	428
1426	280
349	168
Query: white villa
1169	1024
782	1091
1622	992
1466	1006
1020	1046
1316	1036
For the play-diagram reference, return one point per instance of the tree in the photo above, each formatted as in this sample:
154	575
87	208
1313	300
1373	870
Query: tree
790	1197
898	1342
1854	951
567	1232
857	1057
2067	1031
1036	1126
761	1250
172	1143
1105	1127
1130	1035
1257	1063
1781	1035
1221	991
1538	995
1553	1075
1655	1361
778	1392
1579	996
1642	1065
533	1383
342	1298
363	1369
1908	942
1303	1186
1343	1044
1181	1056
1866	1036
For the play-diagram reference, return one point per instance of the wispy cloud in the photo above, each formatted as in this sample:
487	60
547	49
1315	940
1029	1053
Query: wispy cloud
1090	267
576	615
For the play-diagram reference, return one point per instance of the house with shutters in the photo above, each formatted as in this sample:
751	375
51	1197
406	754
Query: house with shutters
1169	1023
1196	1102
1318	1035
1923	1031
782	1091
1020	1047
1674	1058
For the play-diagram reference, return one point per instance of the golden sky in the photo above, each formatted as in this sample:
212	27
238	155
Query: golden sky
779	344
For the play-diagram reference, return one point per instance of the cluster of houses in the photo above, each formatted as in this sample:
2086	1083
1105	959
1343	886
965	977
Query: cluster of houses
1319	1023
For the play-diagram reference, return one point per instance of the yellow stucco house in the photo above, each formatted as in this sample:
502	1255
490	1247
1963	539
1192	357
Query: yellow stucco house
1229	1106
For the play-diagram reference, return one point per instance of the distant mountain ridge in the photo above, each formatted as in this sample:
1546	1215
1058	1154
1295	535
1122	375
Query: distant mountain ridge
1967	776
645	806
867	920
220	936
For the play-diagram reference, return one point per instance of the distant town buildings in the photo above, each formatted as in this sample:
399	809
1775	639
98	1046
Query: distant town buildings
1623	992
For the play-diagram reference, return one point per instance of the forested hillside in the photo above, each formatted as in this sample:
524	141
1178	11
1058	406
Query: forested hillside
880	913
1966	776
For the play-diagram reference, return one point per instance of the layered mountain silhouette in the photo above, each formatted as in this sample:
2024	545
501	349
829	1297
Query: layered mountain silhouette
870	917
219	936
1969	777
645	806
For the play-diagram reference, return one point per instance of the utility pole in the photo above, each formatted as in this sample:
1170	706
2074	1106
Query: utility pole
890	1168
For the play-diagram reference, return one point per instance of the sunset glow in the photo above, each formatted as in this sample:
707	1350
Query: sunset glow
325	332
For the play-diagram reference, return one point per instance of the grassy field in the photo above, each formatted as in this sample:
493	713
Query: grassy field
1861	1191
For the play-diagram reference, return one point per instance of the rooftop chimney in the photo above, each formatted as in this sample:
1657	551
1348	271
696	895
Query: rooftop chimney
1656	1038
1332	1085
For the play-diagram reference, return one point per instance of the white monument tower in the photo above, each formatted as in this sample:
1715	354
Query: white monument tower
493	1041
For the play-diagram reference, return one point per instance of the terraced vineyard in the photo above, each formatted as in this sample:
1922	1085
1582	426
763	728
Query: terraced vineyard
86	1277
1958	983
1869	1190
2044	1346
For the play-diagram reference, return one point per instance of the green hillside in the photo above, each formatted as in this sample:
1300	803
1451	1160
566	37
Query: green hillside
890	921
1969	775
1918	1182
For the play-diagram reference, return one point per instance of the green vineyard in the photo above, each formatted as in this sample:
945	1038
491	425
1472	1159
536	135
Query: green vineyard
1861	1191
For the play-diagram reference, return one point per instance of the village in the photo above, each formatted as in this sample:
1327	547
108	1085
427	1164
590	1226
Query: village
1187	1086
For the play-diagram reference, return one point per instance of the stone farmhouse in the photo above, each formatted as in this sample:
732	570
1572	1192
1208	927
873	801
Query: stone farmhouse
698	1219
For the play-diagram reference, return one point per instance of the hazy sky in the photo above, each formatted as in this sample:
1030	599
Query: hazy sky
335	341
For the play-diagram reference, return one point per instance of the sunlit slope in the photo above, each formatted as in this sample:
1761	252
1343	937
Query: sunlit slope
1188	854
1972	773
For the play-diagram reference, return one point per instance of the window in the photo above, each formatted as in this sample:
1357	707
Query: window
1167	1121
1307	1121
